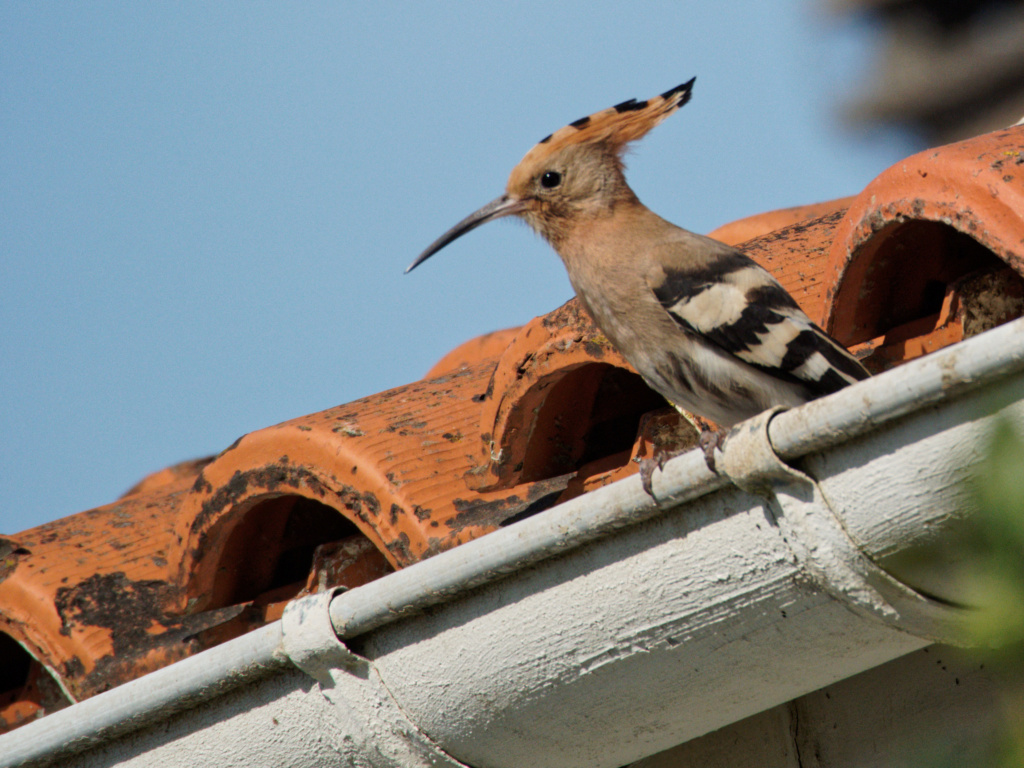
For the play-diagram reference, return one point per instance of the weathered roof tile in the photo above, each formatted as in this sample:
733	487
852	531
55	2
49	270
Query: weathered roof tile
502	427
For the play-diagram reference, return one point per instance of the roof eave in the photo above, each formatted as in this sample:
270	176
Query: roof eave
556	640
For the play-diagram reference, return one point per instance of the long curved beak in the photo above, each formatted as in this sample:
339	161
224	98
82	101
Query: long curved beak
503	206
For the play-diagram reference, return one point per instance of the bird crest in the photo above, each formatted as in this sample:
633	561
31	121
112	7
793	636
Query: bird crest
615	127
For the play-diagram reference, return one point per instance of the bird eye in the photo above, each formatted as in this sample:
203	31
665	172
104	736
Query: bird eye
550	179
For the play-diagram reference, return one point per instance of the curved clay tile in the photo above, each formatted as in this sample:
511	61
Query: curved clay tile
366	460
758	225
559	397
473	351
30	687
87	601
927	244
183	473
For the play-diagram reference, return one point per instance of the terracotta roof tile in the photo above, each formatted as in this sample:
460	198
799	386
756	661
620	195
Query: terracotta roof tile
904	262
473	351
742	230
502	427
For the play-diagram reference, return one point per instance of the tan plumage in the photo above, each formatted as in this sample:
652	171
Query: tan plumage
706	326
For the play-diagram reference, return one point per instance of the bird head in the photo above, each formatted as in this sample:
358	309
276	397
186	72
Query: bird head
573	173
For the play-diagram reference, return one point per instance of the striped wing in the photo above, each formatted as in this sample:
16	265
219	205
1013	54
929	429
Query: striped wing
739	307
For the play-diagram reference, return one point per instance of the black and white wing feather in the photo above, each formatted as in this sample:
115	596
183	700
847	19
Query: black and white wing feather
735	304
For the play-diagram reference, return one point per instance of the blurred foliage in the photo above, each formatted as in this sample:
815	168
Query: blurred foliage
990	573
980	560
993	578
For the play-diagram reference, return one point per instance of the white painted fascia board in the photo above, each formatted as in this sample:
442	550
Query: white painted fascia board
607	629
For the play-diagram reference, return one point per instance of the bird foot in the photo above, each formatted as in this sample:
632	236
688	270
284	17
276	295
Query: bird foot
647	466
657	461
708	441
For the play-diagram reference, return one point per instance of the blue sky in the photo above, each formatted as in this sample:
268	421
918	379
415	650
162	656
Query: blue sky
207	208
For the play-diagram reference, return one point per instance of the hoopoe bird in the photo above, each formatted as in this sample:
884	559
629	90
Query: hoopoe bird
707	327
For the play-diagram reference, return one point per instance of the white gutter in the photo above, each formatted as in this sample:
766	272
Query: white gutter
601	654
817	426
140	701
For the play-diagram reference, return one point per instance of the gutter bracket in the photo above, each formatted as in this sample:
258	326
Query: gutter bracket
379	734
814	531
310	642
749	459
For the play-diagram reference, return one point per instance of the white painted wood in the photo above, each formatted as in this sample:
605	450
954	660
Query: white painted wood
627	646
600	652
937	706
909	486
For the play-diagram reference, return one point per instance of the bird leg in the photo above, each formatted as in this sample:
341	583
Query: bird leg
647	465
662	435
708	441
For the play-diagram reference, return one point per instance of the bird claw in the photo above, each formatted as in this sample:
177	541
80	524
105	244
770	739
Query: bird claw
647	466
708	441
